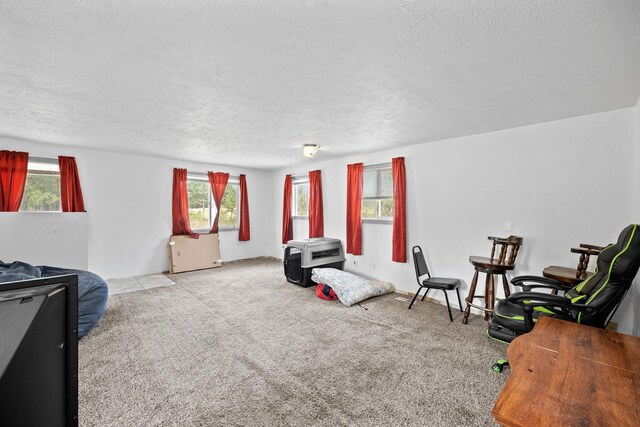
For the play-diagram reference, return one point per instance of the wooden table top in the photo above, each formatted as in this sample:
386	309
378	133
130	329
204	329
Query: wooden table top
565	374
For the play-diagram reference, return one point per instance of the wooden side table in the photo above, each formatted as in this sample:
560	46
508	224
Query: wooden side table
565	275
572	276
565	374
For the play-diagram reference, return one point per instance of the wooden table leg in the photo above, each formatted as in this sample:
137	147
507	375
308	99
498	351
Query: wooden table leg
469	298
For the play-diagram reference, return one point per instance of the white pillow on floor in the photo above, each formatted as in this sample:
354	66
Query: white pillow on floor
350	288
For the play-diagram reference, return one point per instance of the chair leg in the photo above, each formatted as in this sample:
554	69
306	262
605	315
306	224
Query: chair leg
448	306
469	299
490	297
425	294
459	303
505	285
414	297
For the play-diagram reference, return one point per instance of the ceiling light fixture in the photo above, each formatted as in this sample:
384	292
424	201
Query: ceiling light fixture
310	150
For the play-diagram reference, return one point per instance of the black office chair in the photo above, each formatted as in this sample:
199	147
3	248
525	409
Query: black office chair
439	283
592	302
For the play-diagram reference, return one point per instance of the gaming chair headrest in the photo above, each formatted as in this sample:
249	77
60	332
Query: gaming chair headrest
625	258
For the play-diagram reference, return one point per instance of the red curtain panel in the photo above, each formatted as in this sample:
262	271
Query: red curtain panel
354	208
399	210
218	182
180	205
13	175
70	190
287	222
245	233
316	218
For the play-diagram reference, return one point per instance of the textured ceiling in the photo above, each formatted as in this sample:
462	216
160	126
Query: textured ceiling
248	82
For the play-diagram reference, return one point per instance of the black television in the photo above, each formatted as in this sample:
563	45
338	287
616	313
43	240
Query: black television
39	352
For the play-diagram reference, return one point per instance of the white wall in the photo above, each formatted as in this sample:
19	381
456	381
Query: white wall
128	202
45	238
560	183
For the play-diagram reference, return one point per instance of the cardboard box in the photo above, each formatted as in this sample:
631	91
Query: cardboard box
188	254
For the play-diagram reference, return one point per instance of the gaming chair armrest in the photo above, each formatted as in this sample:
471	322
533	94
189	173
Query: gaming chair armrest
542	282
537	299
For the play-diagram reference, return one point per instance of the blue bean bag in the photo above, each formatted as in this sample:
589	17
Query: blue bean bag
92	289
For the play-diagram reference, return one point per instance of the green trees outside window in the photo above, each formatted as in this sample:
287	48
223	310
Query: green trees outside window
41	193
229	207
301	207
199	204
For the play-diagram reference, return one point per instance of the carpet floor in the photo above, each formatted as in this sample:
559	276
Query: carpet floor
239	346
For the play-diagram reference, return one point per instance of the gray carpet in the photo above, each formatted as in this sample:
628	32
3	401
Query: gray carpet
241	346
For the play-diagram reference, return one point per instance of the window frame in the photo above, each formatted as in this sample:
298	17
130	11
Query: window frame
378	167
30	171
234	181
295	181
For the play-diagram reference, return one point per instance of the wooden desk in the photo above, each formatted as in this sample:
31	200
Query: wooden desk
564	374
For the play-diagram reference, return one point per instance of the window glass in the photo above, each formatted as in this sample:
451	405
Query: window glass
41	188
385	181
386	208
370	184
369	209
377	194
199	204
229	206
301	201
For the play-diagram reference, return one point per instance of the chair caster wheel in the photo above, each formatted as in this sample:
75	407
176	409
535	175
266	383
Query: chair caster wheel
499	366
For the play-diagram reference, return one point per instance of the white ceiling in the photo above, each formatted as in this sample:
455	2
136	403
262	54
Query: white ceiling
248	82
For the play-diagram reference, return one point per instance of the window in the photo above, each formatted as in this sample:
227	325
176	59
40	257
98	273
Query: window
200	202
202	209
377	193
42	186
229	206
300	197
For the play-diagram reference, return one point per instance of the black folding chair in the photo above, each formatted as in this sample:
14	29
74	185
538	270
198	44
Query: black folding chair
440	283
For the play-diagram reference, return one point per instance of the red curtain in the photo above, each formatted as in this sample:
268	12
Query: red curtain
316	218
218	182
244	234
70	190
399	210
180	204
13	175
287	222
354	208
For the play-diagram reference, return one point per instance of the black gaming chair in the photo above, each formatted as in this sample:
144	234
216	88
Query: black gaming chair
592	302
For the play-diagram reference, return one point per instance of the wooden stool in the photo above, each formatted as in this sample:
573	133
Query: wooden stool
491	266
572	276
